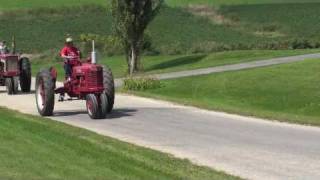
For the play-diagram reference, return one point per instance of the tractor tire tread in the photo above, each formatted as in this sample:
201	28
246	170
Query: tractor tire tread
49	85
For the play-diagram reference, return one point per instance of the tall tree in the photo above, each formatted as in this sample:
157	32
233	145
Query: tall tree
131	18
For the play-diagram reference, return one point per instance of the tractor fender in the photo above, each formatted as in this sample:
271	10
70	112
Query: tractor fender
54	73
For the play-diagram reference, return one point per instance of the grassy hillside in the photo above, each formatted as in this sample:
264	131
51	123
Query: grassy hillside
37	148
287	92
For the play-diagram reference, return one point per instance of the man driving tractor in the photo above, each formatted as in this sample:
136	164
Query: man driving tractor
3	48
71	55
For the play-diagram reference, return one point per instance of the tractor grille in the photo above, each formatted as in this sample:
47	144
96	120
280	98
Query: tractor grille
12	64
95	78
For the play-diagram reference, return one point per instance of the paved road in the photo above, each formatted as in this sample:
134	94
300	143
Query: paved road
247	147
232	67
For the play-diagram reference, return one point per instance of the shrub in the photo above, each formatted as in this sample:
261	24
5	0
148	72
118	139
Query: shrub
301	44
140	84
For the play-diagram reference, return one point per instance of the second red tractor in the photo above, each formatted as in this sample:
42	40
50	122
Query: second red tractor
89	81
15	70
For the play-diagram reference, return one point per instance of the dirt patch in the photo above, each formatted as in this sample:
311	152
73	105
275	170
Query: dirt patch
209	12
32	56
274	34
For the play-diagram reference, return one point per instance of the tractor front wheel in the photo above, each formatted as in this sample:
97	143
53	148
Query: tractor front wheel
104	105
92	104
15	85
108	82
25	75
9	85
45	93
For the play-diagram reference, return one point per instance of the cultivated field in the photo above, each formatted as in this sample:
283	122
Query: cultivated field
240	27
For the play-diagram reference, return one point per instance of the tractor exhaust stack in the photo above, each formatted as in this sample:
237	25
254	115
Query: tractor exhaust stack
13	45
93	54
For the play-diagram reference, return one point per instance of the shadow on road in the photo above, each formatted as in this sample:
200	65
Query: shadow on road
115	114
23	93
119	113
69	113
19	93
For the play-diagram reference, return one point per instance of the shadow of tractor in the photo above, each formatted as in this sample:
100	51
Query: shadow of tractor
115	114
177	62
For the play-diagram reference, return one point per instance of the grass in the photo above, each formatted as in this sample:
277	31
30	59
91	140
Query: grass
288	92
36	148
163	64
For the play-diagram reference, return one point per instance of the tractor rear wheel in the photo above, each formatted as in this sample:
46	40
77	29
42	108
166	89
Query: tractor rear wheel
12	85
104	104
93	106
45	93
108	82
25	75
9	86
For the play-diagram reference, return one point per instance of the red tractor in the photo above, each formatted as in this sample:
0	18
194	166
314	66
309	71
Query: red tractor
89	81
15	69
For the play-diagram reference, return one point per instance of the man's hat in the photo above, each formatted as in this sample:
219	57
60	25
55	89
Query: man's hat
69	40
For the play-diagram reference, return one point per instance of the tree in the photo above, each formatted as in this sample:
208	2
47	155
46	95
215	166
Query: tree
131	18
